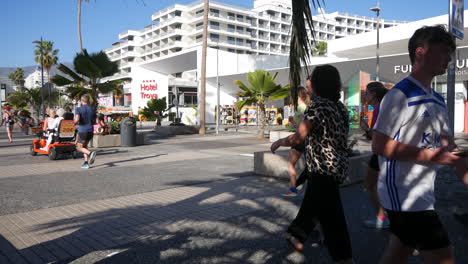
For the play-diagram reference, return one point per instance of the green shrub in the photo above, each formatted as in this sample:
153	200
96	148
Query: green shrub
114	127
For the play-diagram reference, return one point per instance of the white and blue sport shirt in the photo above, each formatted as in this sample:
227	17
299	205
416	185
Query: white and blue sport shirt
413	115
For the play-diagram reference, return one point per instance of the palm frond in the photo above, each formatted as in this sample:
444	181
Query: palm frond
60	80
69	72
281	93
84	65
301	45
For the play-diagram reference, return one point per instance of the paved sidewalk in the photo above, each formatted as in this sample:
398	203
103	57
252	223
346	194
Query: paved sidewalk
239	219
233	221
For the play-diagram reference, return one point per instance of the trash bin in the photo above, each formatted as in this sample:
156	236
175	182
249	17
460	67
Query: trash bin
128	134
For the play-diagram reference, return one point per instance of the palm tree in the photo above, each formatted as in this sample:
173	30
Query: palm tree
301	44
17	77
79	24
262	88
206	9
86	78
320	49
48	55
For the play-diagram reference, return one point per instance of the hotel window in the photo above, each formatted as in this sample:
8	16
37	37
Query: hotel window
214	12
231	50
231	16
240	29
178	13
214	37
214	25
232	40
240	42
231	28
199	12
199	26
240	18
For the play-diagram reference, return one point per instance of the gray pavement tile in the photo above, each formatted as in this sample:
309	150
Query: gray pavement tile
3	259
70	248
56	250
15	258
90	241
44	253
31	256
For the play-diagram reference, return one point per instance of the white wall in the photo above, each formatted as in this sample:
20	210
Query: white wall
145	85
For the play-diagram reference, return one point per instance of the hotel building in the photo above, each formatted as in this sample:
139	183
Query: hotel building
164	59
261	31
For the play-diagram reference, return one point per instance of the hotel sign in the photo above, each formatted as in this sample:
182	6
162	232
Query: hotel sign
456	20
149	89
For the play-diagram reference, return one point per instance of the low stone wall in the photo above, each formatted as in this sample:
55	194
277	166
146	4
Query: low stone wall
114	140
277	134
175	130
276	165
105	141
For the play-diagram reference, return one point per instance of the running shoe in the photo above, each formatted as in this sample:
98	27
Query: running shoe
92	156
292	192
85	166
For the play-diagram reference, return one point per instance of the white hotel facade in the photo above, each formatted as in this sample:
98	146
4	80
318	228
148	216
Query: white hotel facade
165	58
166	55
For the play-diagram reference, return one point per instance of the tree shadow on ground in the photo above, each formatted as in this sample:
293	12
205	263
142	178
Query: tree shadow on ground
239	220
117	163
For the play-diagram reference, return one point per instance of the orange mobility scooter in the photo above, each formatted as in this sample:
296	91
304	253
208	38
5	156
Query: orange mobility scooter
63	141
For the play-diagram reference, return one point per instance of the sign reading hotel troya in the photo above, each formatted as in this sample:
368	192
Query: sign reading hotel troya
456	18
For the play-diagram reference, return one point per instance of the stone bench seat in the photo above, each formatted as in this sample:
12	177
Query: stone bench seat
276	165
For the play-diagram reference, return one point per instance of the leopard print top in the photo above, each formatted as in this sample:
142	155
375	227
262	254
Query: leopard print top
326	143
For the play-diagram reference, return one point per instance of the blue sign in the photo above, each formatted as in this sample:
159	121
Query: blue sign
456	18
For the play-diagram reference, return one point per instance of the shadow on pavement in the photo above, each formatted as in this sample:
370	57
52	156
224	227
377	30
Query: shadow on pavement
238	220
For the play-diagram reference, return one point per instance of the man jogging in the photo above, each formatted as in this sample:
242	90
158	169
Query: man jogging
411	136
85	117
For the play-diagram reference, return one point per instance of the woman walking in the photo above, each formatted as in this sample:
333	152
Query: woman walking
8	119
296	150
375	92
325	132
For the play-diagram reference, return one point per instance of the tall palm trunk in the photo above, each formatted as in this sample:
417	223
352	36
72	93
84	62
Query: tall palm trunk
203	69
79	26
261	120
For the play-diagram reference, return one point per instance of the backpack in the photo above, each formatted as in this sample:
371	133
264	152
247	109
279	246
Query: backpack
10	120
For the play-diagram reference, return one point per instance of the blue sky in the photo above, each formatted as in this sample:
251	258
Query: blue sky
24	21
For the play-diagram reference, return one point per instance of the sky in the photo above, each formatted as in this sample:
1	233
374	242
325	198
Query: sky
24	21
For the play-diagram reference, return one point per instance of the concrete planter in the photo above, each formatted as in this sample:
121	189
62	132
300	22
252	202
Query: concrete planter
277	134
105	141
275	165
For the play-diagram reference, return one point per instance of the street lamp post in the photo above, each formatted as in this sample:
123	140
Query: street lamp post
377	70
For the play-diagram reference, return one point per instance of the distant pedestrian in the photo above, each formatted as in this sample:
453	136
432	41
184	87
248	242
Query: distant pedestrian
8	119
25	121
375	91
85	117
296	150
68	115
325	132
411	135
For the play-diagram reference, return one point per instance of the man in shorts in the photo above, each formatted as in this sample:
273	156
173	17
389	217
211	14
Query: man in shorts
411	136
85	117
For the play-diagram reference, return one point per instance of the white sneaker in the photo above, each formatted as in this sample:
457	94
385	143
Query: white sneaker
377	223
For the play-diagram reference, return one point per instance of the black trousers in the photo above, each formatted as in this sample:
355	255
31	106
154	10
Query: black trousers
322	204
